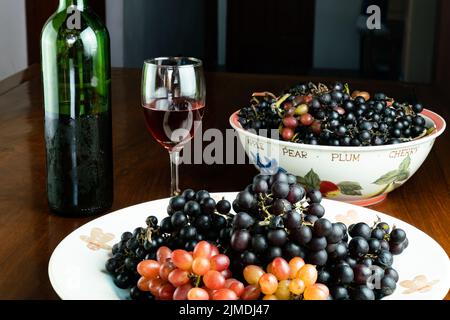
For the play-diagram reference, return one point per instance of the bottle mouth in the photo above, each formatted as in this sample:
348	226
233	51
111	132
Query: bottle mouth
174	62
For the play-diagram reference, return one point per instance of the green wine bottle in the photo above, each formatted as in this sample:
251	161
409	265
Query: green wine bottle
75	53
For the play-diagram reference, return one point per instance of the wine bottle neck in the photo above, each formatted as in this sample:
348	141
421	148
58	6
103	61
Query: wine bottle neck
64	4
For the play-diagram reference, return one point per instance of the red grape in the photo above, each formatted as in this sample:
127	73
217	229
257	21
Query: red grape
315	292
306	119
287	134
251	292
198	294
214	251
202	249
297	286
179	277
252	274
280	269
308	273
166	291
220	262
316	127
148	269
182	259
290	112
226	274
210	291
295	264
224	294
154	285
201	266
307	99
214	280
235	285
323	287
268	283
290	122
288	106
165	269
143	284
163	254
181	293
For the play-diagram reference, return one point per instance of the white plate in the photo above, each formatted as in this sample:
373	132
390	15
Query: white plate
76	268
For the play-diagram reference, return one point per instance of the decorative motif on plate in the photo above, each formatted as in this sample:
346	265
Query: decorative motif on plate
418	284
353	216
98	240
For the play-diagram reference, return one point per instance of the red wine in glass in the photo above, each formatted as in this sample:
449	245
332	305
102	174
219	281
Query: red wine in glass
173	122
173	100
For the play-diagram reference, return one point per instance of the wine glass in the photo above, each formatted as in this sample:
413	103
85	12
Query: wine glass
173	100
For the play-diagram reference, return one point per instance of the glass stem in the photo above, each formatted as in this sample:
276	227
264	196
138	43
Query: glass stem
174	161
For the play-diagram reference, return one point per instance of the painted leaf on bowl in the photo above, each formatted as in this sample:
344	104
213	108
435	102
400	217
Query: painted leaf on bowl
404	166
350	188
311	180
388	178
401	174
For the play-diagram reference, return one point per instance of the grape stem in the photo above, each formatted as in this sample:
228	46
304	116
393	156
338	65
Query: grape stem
264	94
371	256
195	280
120	269
320	88
255	100
263	207
222	215
375	223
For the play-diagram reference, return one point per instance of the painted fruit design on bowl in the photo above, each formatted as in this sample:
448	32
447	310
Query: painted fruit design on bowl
330	189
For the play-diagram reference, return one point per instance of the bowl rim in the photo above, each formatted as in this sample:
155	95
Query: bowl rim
430	115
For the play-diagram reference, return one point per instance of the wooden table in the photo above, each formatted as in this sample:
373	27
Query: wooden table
29	233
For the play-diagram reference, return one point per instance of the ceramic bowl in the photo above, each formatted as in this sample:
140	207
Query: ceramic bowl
358	175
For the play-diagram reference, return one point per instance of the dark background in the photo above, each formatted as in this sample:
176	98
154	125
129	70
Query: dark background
298	37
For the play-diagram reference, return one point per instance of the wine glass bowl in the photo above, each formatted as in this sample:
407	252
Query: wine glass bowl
173	100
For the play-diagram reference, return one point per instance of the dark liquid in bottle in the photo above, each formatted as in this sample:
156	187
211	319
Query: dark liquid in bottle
79	165
173	123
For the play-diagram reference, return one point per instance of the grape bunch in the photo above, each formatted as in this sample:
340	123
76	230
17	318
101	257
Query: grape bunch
272	220
192	217
276	218
202	275
195	216
260	114
321	115
287	281
181	275
365	260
